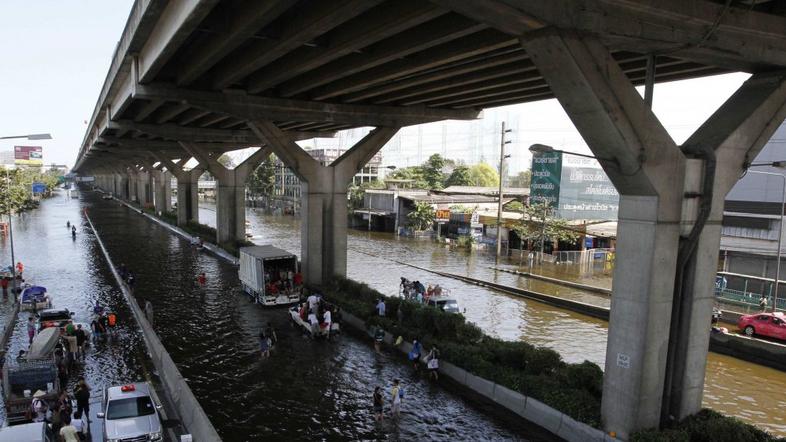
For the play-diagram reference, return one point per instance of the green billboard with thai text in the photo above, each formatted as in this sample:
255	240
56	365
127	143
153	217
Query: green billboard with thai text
546	176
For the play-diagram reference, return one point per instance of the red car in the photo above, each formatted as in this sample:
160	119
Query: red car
771	325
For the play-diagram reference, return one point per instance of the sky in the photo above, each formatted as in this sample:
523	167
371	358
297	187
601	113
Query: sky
56	55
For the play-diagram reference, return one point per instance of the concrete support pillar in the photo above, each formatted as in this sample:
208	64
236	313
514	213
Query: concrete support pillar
162	191
323	197
187	189
142	186
230	191
652	174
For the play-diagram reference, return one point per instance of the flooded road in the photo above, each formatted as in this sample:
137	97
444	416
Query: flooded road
307	390
76	276
735	387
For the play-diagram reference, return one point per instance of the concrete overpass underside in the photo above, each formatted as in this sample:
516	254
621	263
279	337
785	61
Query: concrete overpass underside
197	78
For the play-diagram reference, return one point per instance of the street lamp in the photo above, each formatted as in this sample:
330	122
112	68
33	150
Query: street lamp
780	165
10	224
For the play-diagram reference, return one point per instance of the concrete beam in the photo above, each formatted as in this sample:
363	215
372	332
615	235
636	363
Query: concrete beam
324	197
230	195
385	21
495	14
699	30
270	109
176	23
649	171
736	132
426	36
235	137
461	49
247	19
302	28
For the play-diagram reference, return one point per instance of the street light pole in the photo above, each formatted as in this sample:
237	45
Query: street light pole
780	235
502	157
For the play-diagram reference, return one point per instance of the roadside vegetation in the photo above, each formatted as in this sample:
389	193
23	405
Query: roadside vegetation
538	372
707	426
16	188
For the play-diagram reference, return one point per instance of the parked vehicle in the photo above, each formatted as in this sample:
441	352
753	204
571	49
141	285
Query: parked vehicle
771	325
33	432
444	303
21	379
255	262
54	317
34	298
130	413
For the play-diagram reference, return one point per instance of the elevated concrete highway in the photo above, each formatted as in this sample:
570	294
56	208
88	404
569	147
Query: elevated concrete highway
197	78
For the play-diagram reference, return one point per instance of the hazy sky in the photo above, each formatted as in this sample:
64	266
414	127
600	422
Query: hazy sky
56	55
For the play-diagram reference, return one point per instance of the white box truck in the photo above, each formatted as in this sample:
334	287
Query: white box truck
280	266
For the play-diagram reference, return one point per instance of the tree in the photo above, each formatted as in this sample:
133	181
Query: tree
422	217
522	179
357	193
514	206
459	177
263	179
226	161
483	175
432	171
414	173
537	225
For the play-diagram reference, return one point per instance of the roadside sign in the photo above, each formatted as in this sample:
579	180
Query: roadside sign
546	177
442	215
39	187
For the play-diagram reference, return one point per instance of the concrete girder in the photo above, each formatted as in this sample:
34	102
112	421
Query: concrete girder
247	19
700	30
736	132
235	137
621	130
173	27
324	197
426	36
257	108
379	23
171	113
479	43
187	188
643	162
149	108
303	28
231	191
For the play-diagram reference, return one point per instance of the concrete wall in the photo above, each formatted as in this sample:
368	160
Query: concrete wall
528	408
191	414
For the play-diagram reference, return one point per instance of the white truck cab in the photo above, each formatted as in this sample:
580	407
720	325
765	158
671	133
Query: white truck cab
130	414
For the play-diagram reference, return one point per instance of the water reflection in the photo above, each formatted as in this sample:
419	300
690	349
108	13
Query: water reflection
306	390
749	391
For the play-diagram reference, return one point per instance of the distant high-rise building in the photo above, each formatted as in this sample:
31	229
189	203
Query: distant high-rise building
7	157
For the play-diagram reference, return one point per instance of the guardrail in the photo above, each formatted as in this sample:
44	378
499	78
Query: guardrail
191	413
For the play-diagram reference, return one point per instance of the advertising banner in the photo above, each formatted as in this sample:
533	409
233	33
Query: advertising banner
546	176
586	193
28	155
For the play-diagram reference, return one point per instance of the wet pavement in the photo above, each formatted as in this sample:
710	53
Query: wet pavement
307	390
76	275
734	387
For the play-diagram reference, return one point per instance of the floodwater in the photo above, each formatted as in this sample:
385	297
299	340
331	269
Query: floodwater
76	276
307	390
735	387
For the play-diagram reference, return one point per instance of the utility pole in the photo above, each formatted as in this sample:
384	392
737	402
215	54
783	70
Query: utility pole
543	231
502	157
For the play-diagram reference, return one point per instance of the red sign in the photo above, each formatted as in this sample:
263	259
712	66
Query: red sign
28	155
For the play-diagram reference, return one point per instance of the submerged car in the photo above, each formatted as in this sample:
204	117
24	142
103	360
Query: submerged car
130	414
54	317
448	305
771	325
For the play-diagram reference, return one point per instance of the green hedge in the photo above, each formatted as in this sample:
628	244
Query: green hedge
538	372
207	233
707	426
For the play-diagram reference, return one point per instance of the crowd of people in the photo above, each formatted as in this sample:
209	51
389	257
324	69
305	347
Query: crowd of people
319	314
283	281
416	291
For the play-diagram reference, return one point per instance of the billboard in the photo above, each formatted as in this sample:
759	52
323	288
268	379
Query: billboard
28	155
586	193
545	181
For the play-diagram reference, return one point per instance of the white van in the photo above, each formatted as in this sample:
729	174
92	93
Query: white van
35	432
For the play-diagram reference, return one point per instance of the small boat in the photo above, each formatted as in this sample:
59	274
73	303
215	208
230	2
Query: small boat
34	297
320	330
43	344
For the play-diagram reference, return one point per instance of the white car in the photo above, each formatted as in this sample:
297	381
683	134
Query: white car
130	414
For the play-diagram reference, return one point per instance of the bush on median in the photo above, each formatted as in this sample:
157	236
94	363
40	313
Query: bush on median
707	426
574	389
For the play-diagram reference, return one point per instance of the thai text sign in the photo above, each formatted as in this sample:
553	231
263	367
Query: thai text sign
30	155
546	176
442	215
586	193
